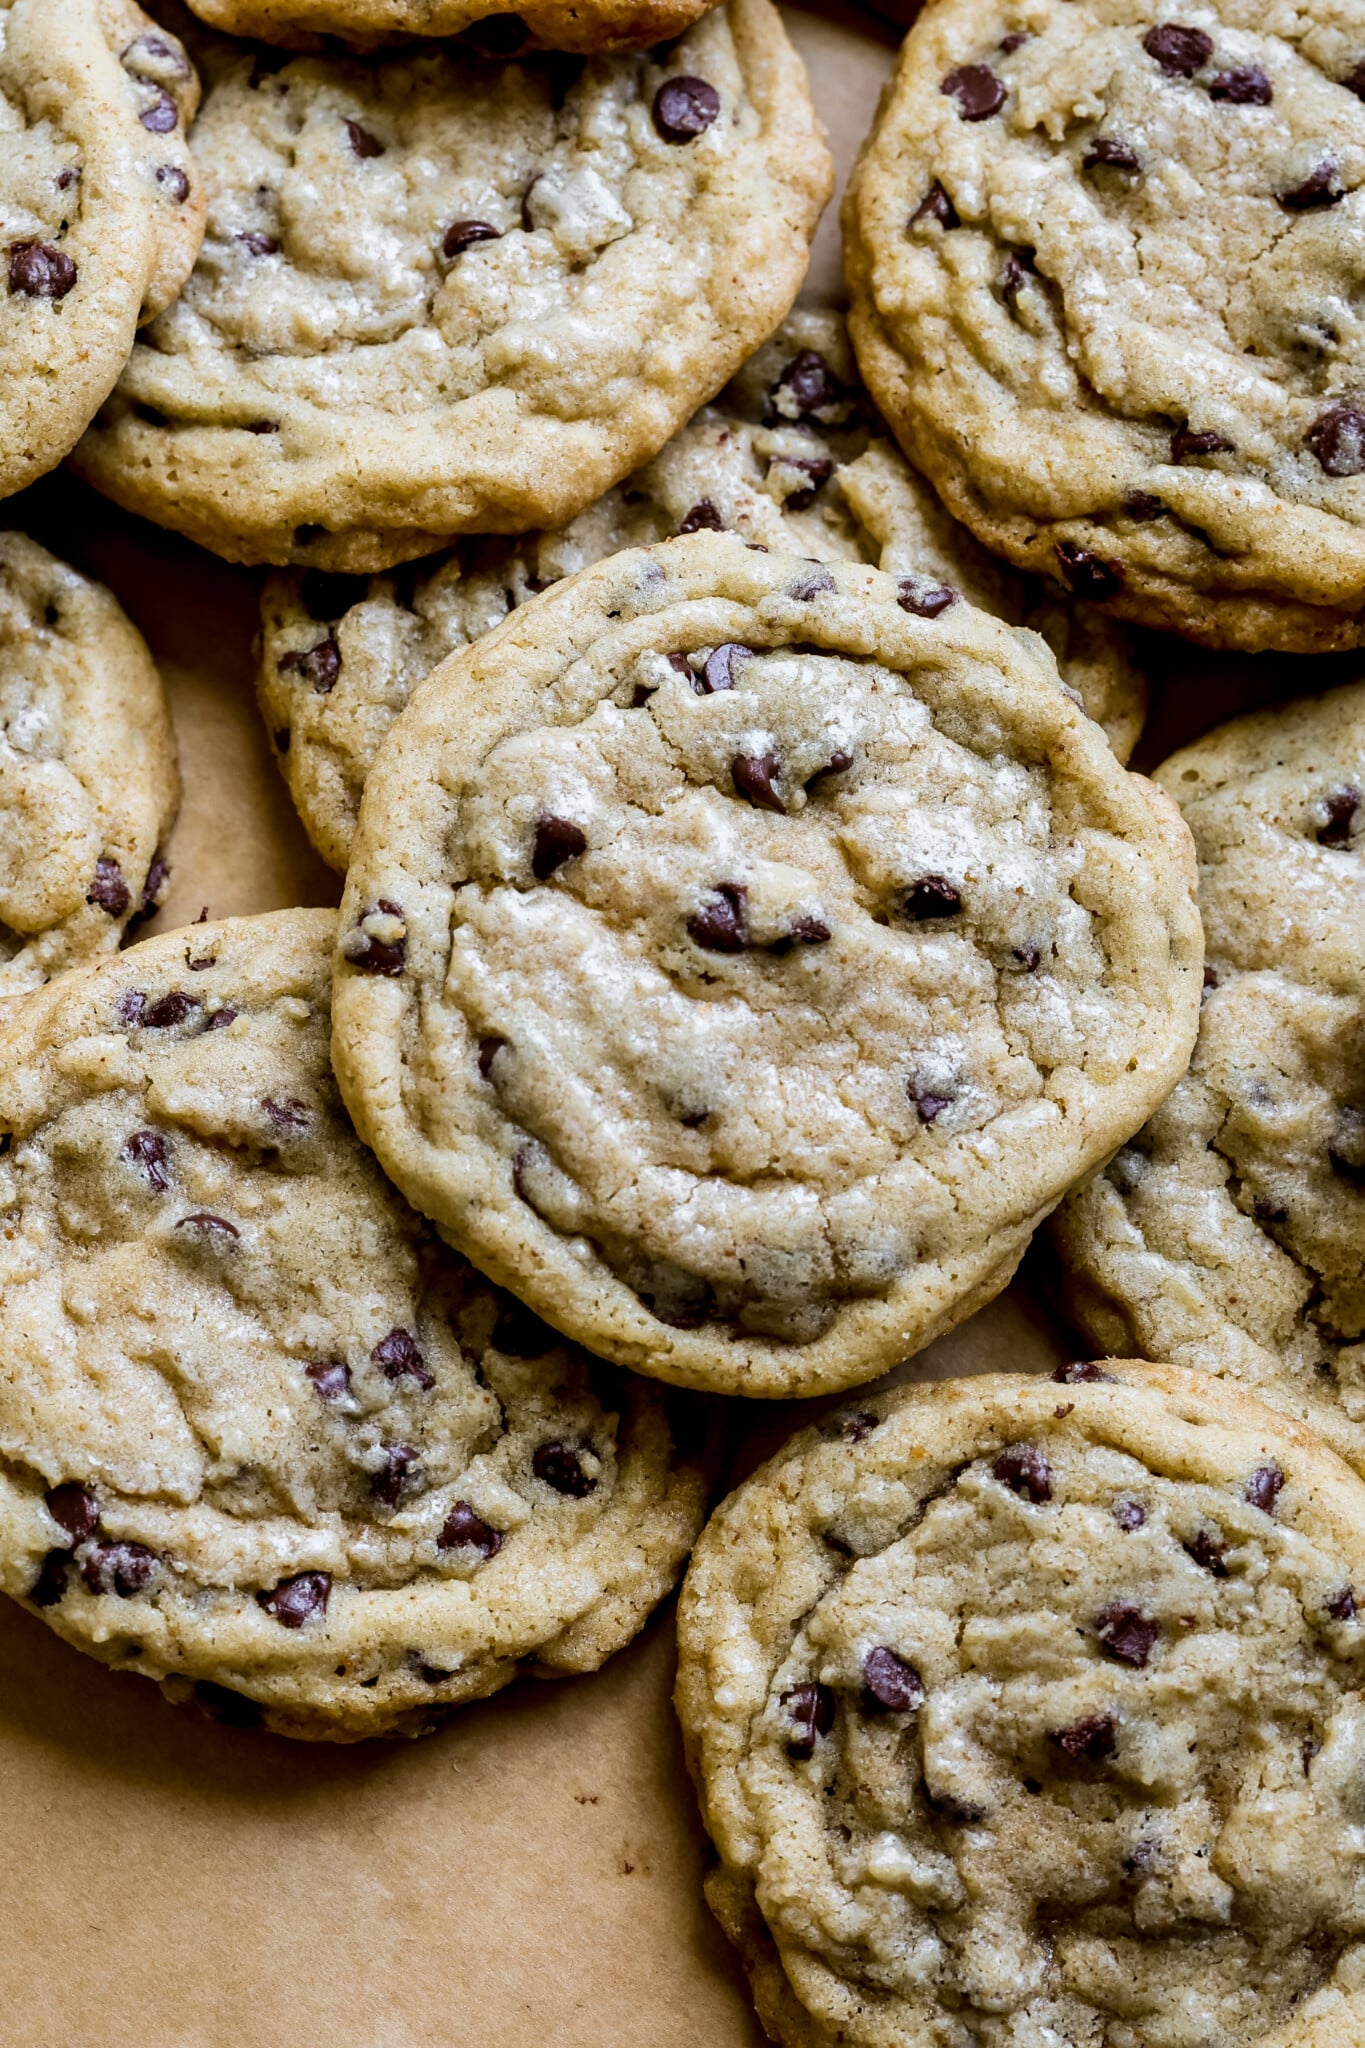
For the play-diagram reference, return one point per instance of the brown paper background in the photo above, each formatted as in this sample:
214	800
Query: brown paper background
530	1875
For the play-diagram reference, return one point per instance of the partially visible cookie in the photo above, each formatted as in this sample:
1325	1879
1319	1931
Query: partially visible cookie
445	294
265	1439
1230	1232
101	210
88	782
789	456
580	25
1105	258
1029	1713
742	954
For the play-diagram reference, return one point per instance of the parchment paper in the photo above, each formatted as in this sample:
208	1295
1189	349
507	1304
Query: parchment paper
530	1875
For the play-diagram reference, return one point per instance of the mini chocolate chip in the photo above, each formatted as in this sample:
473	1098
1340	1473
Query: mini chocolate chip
220	1019
1319	189
464	234
258	244
162	116
810	584
173	183
560	1465
753	776
924	597
147	1151
1142	505
892	1682
234	1709
209	1227
286	1112
1107	153
556	840
489	1048
1180	51
1087	575
331	1378
685	108
810	1712
109	890
318	666
1130	1514
817	468
977	90
1027	956
838	761
1093	1738
927	1106
1342	807
720	922
1245	88
363	143
398	1358
933	896
296	1600
370	954
1263	1488
1185	444
808	384
718	672
935	206
804	931
703	518
1342	1605
1126	1633
74	1511
463	1527
1078	1372
400	1473
1346	1153
329	593
170	1010
1024	1469
50	1584
38	271
119	1568
67	177
1208	1552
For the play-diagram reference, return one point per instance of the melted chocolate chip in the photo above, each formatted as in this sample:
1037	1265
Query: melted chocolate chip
810	1713
753	776
838	761
220	1019
560	1465
1342	807
363	143
977	90
122	1569
209	1228
1108	153
1087	575
162	116
1208	1552
50	1584
927	1105
147	1151
1180	51
933	896
464	1528
318	666
287	1113
372	955
1320	188
818	469
38	271
804	931
718	673
1245	88
808	385
74	1511
154	888
172	181
400	1473
935	206
1263	1488
1081	1372
257	243
720	922
891	1682
398	1358
1093	1739
170	1010
1142	505
556	840
1186	445
331	1378
489	1048
1342	1605
109	890
1130	1514
464	234
1024	1469
1126	1633
703	518
296	1600
685	108
924	597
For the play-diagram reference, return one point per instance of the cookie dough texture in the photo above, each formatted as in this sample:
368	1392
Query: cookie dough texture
1105	259
582	25
101	210
1026	1713
441	294
738	964
263	1437
789	456
88	781
1230	1233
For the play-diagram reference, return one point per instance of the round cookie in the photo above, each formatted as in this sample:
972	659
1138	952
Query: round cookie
1030	1714
579	25
443	294
1104	257
789	456
101	208
740	956
1229	1234
265	1439
88	781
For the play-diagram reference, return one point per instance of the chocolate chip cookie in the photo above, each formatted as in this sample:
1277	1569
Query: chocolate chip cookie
1105	258
101	210
444	294
1230	1233
88	782
1026	1712
580	25
266	1440
741	954
789	456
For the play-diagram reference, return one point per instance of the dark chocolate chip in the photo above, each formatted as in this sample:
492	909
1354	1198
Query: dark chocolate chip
170	1010
685	108
560	1465
152	49
234	1709
933	896
556	840
808	384
703	518
328	593
318	666
1087	575
838	761
74	1511
363	143
1180	51
680	666
147	1151
220	1019
1015	40
256	243
463	1527
1342	807
1208	1552
892	1682
287	1113
1342	1605
398	1358
1024	1469
1337	438
162	116
927	1105
400	1473
720	922
1320	188
804	931
1093	1739
50	1584
109	890
1108	153
1356	81
718	673
924	597
1263	1488
810	1713
38	271
753	776
173	182
1210	978
1126	1633
817	468
1142	505
1130	1514
1346	1153
935	206
296	1600
208	1227
1248	87
1185	444
810	584
463	234
1081	1372
154	888
1027	956
855	1427
372	955
489	1048
1018	267
977	90
331	1378
131	1005
119	1568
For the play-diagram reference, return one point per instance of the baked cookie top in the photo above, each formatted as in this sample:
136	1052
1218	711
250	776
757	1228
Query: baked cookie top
264	1437
101	210
579	25
88	782
1026	1712
442	293
1105	257
1230	1232
741	954
789	456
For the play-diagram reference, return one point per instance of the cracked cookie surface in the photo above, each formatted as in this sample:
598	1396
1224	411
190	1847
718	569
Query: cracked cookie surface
789	456
88	781
1106	261
1230	1233
262	1437
443	294
1025	1712
741	954
101	210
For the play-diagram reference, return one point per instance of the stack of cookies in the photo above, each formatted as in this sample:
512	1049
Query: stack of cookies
718	706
